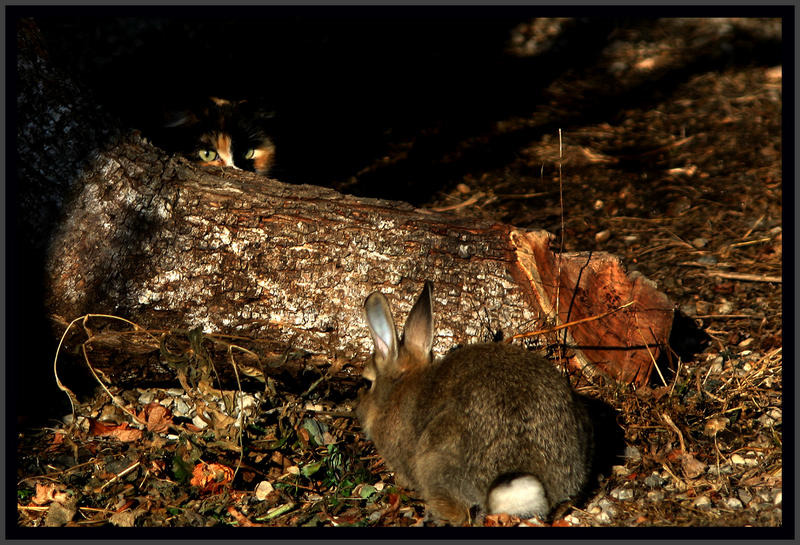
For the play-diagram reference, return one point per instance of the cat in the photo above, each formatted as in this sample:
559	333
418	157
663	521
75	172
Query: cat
222	132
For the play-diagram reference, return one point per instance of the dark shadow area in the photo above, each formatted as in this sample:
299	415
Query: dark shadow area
609	441
345	85
350	87
686	341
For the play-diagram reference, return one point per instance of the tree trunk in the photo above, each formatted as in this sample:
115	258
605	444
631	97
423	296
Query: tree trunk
166	244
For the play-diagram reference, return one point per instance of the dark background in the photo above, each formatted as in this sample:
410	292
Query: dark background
345	83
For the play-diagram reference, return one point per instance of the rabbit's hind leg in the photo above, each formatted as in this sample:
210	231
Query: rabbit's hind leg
448	508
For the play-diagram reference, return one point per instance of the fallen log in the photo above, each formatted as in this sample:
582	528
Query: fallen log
168	245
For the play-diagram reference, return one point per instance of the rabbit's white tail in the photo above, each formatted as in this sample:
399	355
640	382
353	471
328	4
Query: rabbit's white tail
522	496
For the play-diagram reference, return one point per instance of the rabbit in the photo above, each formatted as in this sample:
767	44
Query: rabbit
490	425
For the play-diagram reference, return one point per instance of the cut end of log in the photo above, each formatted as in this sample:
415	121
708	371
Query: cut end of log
615	324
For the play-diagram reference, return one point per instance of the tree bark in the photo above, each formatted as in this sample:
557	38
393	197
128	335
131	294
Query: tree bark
166	244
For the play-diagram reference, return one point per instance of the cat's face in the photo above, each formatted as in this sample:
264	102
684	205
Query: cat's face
224	133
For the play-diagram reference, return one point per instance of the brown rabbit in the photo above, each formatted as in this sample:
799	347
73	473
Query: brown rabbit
490	425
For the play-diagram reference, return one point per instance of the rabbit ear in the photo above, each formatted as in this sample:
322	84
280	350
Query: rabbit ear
418	331
381	327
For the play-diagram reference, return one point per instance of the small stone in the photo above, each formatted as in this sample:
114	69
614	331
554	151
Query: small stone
765	421
181	407
737	459
463	188
654	480
702	502
744	495
717	366
602	236
603	518
620	471
655	496
263	489
622	494
608	507
700	242
774	74
778	498
146	398
724	469
747	342
725	307
630	239
199	422
632	453
734	503
598	204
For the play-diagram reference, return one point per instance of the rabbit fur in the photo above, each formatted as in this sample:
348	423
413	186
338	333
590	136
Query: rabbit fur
491	425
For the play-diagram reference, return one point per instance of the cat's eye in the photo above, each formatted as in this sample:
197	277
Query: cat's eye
250	153
207	155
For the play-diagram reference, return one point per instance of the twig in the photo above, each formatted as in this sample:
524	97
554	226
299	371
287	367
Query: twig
674	428
520	195
562	234
649	352
241	411
568	324
85	318
745	277
749	242
472	200
731	316
121	474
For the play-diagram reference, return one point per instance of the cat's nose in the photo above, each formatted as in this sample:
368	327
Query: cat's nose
227	160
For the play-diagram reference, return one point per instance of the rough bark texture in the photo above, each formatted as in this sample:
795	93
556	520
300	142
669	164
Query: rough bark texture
166	244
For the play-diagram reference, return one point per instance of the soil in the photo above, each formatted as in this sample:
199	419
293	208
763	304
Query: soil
657	140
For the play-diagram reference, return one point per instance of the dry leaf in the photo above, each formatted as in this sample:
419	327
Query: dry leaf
122	432
211	477
158	417
692	467
46	493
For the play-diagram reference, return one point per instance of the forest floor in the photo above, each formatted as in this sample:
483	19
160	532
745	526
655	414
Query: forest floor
683	182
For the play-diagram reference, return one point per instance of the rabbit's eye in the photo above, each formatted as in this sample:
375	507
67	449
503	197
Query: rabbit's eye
367	383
